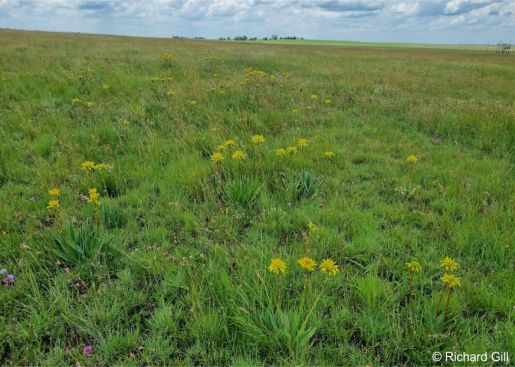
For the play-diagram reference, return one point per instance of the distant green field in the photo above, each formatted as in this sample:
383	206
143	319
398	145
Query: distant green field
490	48
179	202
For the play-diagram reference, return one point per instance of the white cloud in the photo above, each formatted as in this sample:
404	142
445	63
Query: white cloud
381	20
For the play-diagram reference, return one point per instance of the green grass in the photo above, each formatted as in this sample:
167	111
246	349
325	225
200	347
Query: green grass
175	271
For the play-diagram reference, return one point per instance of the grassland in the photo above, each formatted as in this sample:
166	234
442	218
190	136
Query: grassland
317	42
172	266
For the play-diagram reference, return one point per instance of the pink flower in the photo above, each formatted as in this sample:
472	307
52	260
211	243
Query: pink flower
83	197
88	349
8	280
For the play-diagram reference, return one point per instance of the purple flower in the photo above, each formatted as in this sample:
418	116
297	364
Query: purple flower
3	271
83	197
88	349
8	280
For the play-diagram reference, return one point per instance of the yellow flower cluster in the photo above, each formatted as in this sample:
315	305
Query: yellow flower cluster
251	72
94	196
312	227
217	157
307	263
414	266
327	266
256	75
302	143
451	281
92	166
87	166
53	204
218	154
167	57
229	143
239	155
330	267
412	159
280	152
449	264
77	101
277	266
292	150
258	139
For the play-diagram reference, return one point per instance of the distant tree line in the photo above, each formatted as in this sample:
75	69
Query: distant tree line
188	38
272	37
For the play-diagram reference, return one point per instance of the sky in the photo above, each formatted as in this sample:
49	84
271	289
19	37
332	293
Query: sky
410	21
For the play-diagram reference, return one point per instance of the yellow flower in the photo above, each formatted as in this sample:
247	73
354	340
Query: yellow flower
87	166
170	93
220	148
312	227
330	267
167	57
329	154
307	263
302	142
239	154
53	204
412	159
229	143
90	104
54	192
217	157
76	100
314	97
256	139
100	167
292	150
449	264
280	152
277	266
414	266
93	196
328	101
125	122
451	281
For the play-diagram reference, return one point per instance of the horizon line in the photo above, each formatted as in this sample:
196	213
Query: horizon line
257	39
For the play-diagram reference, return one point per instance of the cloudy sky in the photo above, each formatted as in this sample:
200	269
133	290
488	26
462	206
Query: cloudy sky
424	21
